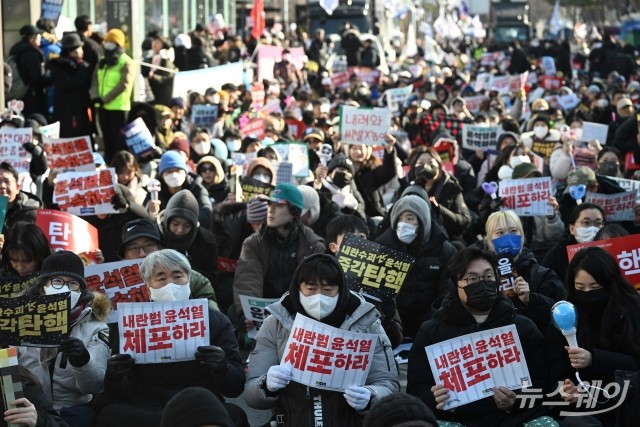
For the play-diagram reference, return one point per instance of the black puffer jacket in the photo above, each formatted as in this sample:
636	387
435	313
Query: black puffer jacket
370	180
24	209
31	67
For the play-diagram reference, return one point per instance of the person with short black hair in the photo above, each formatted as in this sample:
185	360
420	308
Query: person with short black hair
24	250
92	50
22	206
30	62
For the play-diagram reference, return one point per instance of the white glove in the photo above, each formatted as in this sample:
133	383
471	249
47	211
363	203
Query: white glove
357	397
278	377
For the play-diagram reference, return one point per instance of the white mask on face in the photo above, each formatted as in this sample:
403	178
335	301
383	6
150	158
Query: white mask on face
75	295
171	292
233	144
602	103
175	179
318	306
406	233
540	131
202	148
262	177
586	234
577	132
516	160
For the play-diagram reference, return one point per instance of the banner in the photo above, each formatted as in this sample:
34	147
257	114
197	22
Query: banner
328	358
163	332
628	185
120	281
268	56
255	310
297	154
470	365
479	137
34	320
51	9
138	138
254	127
592	131
473	103
364	125
626	250
507	275
11	150
252	187
50	131
527	197
86	193
204	115
432	125
203	79
14	286
372	269
396	98
69	154
67	232
617	207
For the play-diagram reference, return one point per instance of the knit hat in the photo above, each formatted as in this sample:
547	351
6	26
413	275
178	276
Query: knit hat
340	160
286	193
195	407
176	102
525	170
256	210
139	228
398	409
184	205
171	159
416	190
180	144
115	36
419	207
311	202
63	263
541	118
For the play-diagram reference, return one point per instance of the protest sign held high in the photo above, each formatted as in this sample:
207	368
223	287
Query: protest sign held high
86	193
479	137
138	137
67	232
11	147
617	207
69	154
204	115
297	154
364	125
527	197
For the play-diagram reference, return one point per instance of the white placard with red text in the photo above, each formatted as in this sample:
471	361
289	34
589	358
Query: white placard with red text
617	207
527	197
473	103
328	358
163	332
69	154
364	125
470	365
86	193
628	185
11	150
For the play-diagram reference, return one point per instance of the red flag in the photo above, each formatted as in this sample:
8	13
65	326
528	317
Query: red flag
257	16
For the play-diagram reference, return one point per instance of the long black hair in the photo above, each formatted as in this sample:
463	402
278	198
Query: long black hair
27	240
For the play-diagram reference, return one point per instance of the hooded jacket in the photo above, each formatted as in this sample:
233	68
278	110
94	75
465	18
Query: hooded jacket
303	406
265	163
24	209
219	189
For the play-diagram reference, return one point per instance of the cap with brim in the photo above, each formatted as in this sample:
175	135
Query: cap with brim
29	30
624	102
139	228
285	193
525	170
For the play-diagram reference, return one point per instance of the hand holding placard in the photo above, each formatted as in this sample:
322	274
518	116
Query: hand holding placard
118	366
357	397
279	376
212	357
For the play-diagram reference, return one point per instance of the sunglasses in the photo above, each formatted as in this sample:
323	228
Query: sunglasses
207	169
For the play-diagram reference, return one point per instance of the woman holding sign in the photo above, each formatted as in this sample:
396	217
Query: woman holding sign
318	291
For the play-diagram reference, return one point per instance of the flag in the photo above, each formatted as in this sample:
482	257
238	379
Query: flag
257	16
554	22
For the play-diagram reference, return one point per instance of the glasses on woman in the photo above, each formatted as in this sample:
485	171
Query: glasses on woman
59	283
589	223
207	169
489	277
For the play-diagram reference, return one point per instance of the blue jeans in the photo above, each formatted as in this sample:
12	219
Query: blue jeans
79	416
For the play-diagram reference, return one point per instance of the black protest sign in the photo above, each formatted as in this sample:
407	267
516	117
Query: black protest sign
252	187
373	269
13	286
507	275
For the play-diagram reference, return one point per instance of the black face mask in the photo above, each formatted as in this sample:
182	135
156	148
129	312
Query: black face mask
592	300
608	169
482	295
341	179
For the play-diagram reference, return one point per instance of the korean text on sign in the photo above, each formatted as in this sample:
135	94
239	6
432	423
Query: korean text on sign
297	154
14	286
371	268
470	365
34	320
364	125
479	137
255	310
163	332
252	187
69	154
204	115
396	98
326	357
617	207
138	137
119	281
63	231
527	197
11	147
86	193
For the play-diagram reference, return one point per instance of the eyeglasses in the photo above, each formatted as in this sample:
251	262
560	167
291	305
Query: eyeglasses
588	223
205	169
58	283
148	247
489	277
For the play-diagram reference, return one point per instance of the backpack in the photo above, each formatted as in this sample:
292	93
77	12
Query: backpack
18	87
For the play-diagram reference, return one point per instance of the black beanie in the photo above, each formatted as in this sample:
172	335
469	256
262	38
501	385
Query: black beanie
340	160
184	205
63	263
195	407
400	408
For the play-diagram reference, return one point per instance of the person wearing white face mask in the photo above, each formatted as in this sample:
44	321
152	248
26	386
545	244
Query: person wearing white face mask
413	232
318	290
200	142
75	372
541	139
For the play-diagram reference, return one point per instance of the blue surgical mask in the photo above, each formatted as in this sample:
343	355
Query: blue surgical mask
509	243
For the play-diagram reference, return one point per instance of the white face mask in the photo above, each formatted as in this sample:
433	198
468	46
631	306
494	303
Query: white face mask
577	132
318	306
516	160
540	131
586	234
406	233
75	295
202	148
262	177
233	144
110	46
602	103
175	179
171	292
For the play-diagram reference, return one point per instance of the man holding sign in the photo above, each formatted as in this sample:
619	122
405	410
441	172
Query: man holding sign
287	363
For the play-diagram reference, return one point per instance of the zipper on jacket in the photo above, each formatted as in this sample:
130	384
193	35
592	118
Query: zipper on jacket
308	394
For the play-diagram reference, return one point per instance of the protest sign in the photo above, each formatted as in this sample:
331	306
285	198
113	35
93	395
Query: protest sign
254	127
204	115
328	358
51	9
488	58
34	320
14	286
50	131
500	84
371	76
296	128
543	148
269	55
518	81
470	365
163	332
254	310
271	107
67	232
479	137
202	79
553	100
297	154
252	187
372	269
10	379
591	131
507	275
138	137
473	103
628	185
257	94
69	154
617	207
551	82
11	147
626	251
120	281
4	203
284	173
432	125
527	197
482	82
364	125
341	79
549	65
86	193
396	98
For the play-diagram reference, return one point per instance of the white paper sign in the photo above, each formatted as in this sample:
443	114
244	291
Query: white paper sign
591	131
500	84
163	332
328	358
86	193
617	207
527	197
396	98
297	154
255	310
628	185
69	154
201	80
482	82
364	125
479	137
11	150
470	365
50	131
549	65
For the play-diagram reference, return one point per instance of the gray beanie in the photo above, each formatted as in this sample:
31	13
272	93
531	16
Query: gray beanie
417	206
182	204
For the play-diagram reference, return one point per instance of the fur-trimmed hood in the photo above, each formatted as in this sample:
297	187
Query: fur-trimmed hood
101	306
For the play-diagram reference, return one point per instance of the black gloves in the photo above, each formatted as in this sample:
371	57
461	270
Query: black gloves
75	351
213	357
97	102
387	308
119	365
118	201
495	204
29	147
